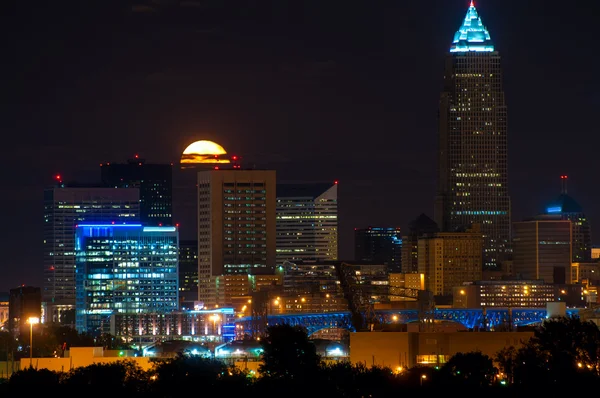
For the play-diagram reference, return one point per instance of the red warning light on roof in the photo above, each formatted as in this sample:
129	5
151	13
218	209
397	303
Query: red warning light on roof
335	182
137	156
564	177
177	225
57	177
216	167
234	157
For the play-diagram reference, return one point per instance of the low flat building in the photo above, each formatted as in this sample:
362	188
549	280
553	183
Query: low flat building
402	350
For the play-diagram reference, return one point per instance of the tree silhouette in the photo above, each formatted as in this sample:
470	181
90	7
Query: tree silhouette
288	353
473	369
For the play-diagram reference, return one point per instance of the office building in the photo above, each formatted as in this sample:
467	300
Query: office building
379	245
307	222
449	259
569	209
236	224
124	269
24	302
419	227
154	181
472	153
542	249
198	156
66	206
188	273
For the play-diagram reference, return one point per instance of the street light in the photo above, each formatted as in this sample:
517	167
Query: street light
33	320
215	318
423	377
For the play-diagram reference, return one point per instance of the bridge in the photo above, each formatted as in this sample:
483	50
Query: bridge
471	318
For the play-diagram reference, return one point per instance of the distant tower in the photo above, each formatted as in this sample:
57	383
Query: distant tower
307	222
417	228
155	182
236	224
473	157
381	245
567	208
66	206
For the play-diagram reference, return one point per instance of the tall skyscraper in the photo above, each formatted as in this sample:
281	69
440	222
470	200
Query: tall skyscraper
124	269
236	224
381	245
66	206
155	182
473	172
307	222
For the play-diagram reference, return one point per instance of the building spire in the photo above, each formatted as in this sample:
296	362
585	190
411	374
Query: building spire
472	35
563	184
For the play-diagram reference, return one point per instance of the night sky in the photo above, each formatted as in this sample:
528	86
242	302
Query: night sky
316	89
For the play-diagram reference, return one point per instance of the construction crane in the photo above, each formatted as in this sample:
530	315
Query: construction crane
361	310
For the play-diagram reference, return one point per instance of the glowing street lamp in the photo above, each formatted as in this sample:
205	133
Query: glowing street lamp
33	320
215	318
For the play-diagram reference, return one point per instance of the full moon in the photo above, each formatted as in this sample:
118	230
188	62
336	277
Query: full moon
202	152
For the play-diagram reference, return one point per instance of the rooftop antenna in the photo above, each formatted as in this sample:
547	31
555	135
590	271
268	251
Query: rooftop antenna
563	184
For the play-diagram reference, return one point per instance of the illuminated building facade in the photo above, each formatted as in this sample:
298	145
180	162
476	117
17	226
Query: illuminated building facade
317	283
234	290
449	259
4	300
542	249
503	293
236	224
64	208
473	156
568	209
124	269
145	329
154	181
188	273
307	222
379	245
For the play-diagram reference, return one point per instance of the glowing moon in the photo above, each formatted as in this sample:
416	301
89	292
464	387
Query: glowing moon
204	151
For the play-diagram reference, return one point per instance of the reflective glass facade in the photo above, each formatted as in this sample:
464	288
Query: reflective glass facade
124	269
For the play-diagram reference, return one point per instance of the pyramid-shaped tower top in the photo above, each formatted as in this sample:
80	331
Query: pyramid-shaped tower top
472	35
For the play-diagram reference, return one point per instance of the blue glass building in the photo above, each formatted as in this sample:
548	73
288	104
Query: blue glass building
124	269
472	153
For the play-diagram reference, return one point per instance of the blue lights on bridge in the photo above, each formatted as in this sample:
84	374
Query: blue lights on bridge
471	318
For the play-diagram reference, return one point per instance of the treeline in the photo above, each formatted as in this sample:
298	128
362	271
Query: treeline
563	354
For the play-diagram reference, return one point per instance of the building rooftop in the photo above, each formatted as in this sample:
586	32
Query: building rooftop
563	204
472	35
302	190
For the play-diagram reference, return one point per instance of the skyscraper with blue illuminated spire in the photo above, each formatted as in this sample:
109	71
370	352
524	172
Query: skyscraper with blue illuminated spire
473	157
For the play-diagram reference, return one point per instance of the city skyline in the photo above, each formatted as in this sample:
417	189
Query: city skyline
322	93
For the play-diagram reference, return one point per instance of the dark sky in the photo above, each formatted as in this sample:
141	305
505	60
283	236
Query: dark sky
316	89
